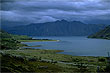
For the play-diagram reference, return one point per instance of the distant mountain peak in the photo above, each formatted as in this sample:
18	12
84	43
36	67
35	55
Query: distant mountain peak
61	20
64	20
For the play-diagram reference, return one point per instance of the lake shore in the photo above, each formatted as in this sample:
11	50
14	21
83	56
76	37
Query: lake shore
15	58
37	40
74	45
66	63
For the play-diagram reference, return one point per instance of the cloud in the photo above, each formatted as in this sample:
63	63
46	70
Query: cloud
38	11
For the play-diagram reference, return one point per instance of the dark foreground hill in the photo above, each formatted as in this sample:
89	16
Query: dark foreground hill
103	34
57	28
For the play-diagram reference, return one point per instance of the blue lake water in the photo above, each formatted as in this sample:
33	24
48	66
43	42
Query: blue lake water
76	45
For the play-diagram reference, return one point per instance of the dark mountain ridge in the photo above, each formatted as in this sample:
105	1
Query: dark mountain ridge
57	28
103	34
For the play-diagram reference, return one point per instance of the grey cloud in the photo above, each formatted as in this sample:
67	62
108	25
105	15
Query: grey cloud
37	11
72	6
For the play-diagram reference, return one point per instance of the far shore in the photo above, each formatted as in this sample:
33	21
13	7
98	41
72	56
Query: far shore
37	40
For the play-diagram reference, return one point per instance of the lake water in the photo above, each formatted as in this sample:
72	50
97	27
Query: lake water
76	45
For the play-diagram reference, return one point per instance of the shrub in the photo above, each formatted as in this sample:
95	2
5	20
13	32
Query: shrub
101	59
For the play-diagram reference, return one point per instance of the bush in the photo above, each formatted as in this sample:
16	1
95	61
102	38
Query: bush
101	59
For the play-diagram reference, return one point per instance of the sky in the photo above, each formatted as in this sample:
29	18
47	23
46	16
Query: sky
25	12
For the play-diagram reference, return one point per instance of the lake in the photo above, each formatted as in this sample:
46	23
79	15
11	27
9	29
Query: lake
75	45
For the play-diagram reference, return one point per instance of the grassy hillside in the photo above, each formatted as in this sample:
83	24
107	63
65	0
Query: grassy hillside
103	34
10	41
47	61
20	64
4	34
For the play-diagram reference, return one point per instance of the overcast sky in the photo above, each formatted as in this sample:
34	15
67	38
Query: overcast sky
39	11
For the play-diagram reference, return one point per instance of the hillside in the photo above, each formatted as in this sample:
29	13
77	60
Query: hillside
57	28
103	34
10	41
4	34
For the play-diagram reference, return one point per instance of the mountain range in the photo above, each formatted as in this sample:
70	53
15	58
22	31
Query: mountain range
56	28
103	34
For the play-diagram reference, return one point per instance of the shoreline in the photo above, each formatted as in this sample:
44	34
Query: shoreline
52	57
58	52
38	40
15	58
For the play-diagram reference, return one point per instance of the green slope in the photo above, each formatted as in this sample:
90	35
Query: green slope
4	34
10	41
103	34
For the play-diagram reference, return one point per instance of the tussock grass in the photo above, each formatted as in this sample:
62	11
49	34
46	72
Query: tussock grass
65	62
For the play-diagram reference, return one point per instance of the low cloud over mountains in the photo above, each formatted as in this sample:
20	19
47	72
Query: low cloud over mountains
39	11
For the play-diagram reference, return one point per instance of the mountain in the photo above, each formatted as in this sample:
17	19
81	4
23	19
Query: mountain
103	34
57	28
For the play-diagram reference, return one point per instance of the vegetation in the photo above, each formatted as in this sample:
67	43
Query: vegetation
5	35
14	58
37	40
9	41
103	34
37	60
10	44
21	64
